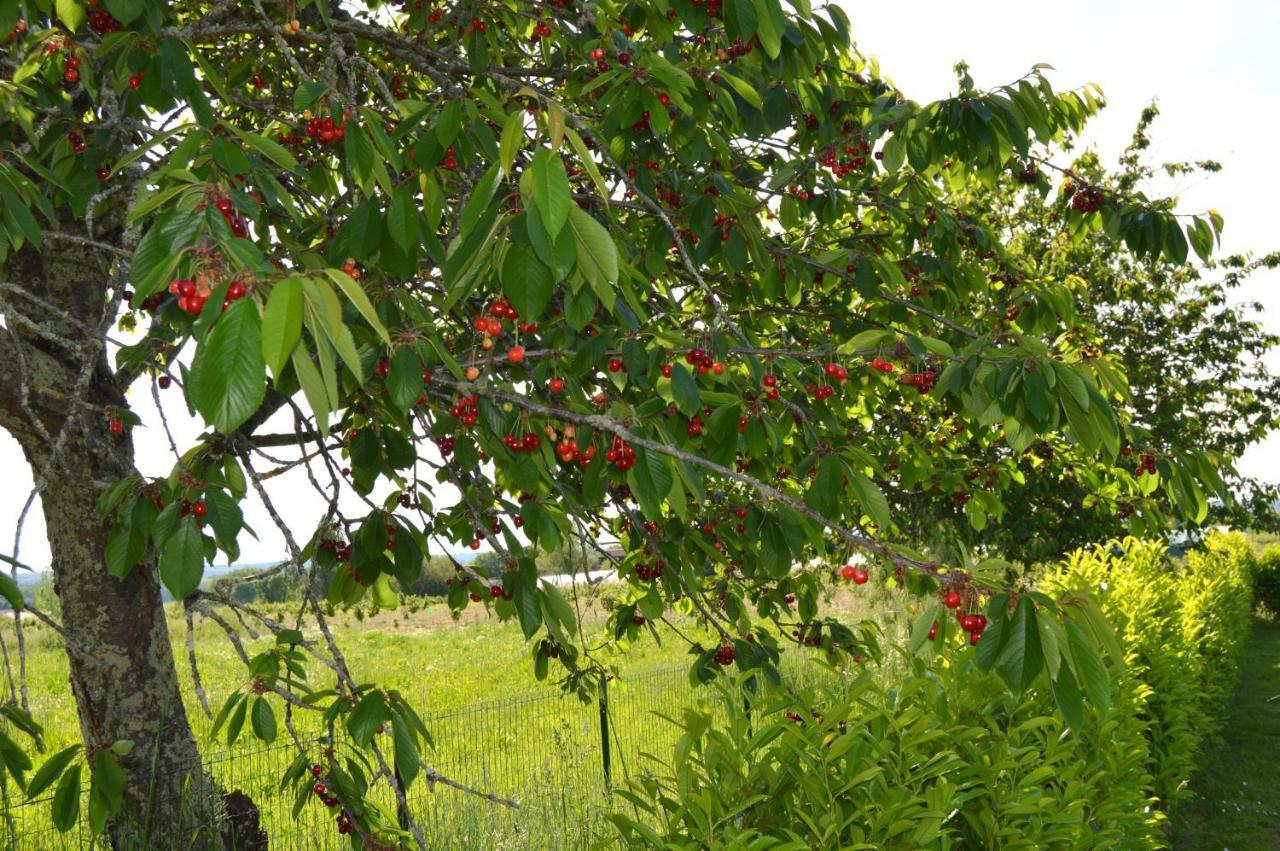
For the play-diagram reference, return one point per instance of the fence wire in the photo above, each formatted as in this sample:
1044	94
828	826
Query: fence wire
555	755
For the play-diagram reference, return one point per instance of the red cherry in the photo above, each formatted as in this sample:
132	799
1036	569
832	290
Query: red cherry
116	426
860	576
515	354
135	81
951	599
384	365
236	290
973	637
164	382
769	380
103	173
556	385
186	287
848	571
71	76
200	509
195	303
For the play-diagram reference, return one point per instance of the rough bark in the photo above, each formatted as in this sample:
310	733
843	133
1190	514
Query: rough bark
55	382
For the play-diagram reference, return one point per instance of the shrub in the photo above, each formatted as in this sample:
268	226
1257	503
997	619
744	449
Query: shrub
1266	589
943	756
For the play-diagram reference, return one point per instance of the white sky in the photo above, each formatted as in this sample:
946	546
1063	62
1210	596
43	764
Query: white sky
1215	69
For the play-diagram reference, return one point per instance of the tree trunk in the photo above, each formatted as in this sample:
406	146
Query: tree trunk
55	388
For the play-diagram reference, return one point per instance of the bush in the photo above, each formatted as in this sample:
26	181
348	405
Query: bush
1266	589
944	756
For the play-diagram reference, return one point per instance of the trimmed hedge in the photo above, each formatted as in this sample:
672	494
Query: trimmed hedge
941	755
1266	588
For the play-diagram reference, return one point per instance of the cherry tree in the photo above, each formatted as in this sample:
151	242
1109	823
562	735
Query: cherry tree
688	285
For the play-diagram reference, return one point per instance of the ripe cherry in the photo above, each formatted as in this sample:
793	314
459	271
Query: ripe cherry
200	509
951	599
236	290
515	354
860	576
556	385
164	382
848	571
117	427
135	81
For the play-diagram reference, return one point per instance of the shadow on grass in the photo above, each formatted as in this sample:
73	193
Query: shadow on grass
1237	803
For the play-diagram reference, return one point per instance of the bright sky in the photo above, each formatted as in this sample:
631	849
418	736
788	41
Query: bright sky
1215	69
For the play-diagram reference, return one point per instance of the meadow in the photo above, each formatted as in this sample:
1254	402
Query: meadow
495	727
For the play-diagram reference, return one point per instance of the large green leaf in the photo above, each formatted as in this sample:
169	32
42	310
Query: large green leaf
182	559
548	184
526	282
597	255
281	324
227	382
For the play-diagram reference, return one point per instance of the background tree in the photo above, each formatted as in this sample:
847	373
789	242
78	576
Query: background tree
689	276
1184	341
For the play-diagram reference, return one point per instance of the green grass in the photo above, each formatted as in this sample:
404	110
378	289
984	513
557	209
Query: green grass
495	727
1237	804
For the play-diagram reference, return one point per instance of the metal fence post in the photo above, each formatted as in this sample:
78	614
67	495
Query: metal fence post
604	734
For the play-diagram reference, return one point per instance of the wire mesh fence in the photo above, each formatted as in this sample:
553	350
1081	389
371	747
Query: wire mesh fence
556	756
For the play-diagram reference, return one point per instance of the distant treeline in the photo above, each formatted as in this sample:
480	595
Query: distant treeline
287	585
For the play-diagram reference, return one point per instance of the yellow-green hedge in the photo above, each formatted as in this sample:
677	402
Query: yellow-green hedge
942	756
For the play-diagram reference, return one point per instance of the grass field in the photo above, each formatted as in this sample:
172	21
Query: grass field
495	727
1237	804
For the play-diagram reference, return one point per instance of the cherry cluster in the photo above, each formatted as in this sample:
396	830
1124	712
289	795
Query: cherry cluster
1028	175
858	575
542	29
103	23
450	160
651	571
724	655
465	410
528	443
922	381
1087	200
881	365
569	451
1146	464
620	455
196	509
77	143
973	624
239	225
71	71
854	159
325	131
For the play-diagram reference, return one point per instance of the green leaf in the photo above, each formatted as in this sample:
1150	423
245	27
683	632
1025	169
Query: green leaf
512	138
281	324
549	186
526	282
408	764
107	783
559	606
357	296
227	382
404	378
308	93
237	716
273	151
871	498
71	12
1088	667
182	559
685	390
597	255
1020	658
368	714
263	720
10	591
528	607
402	218
51	771
313	388
66	800
1066	693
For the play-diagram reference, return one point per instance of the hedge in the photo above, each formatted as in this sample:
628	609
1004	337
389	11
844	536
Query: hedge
941	755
